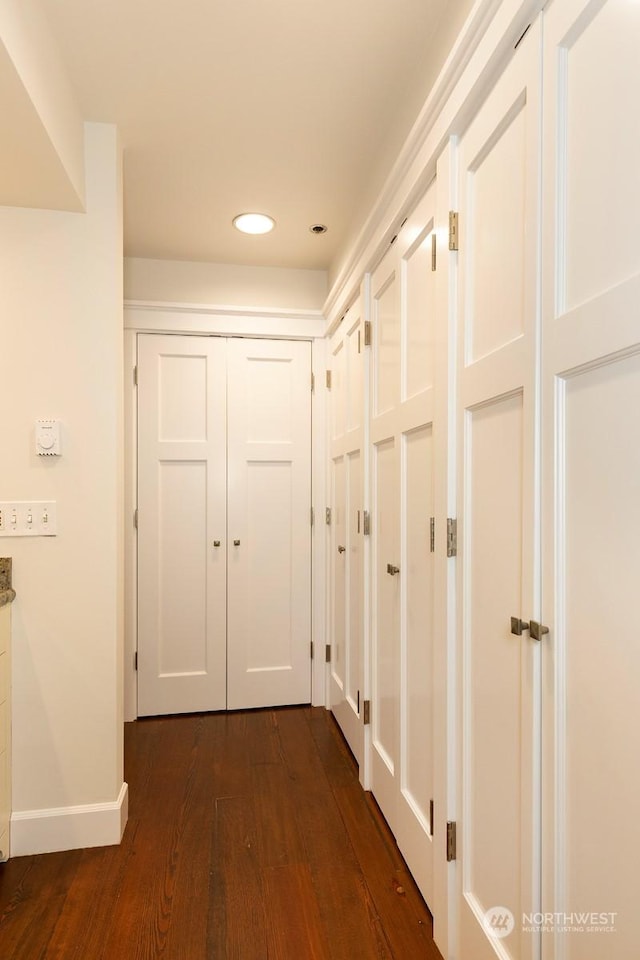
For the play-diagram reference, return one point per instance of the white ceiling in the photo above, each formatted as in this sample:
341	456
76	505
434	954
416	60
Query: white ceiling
292	107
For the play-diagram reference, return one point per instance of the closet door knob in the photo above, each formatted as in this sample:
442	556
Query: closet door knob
391	570
216	543
537	630
341	549
236	543
518	626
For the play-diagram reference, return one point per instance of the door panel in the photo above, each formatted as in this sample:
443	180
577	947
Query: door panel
385	692
269	493
591	519
498	712
402	433
354	650
339	554
346	551
598	58
492	657
182	511
415	829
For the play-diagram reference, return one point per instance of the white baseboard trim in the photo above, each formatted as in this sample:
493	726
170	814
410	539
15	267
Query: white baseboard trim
69	828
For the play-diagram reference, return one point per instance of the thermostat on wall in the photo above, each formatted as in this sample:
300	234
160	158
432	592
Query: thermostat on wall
48	438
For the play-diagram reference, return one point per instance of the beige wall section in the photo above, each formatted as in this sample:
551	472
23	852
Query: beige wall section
61	293
224	284
41	126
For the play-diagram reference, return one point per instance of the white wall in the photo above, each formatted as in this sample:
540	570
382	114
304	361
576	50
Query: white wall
61	308
41	127
224	284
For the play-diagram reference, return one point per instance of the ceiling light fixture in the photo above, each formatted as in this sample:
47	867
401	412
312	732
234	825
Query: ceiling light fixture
318	228
254	223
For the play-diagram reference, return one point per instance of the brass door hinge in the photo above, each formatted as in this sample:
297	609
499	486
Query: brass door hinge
432	534
366	712
451	840
367	333
452	537
327	653
453	230
366	523
434	250
328	379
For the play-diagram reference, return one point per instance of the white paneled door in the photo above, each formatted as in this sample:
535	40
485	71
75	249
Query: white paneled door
269	524
402	475
224	480
182	524
498	691
591	502
346	419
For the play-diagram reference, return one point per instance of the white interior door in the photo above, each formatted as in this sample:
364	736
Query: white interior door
346	402
498	712
591	507
182	524
269	522
402	441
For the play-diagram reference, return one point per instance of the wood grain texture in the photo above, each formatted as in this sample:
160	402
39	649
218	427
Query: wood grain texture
249	838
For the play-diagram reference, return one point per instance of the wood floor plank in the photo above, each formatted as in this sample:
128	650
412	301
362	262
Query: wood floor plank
346	907
405	918
279	840
237	919
294	928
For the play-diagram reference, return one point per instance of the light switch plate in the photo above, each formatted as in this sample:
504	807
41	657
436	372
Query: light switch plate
28	518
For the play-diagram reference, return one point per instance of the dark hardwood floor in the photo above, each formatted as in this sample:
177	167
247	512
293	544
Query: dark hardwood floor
249	838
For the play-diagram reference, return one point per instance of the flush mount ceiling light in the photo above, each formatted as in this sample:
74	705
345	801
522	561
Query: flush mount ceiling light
254	223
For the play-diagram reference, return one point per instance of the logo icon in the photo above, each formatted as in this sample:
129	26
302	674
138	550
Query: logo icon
499	922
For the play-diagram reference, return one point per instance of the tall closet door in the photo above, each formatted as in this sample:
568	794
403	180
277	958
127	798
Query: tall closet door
269	527
224	493
346	419
498	713
402	470
182	522
591	453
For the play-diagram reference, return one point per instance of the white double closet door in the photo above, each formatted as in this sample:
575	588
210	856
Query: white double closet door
403	437
224	494
548	388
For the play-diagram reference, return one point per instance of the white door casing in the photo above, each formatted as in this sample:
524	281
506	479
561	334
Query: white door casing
498	690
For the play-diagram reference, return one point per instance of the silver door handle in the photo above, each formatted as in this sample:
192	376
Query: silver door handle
537	630
236	543
341	549
392	570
